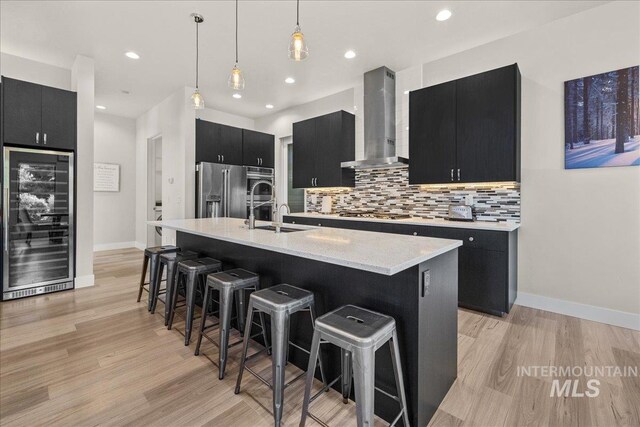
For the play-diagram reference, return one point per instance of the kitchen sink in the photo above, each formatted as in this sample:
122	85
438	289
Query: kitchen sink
282	229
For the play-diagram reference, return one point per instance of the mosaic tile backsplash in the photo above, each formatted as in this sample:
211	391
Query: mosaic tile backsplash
388	191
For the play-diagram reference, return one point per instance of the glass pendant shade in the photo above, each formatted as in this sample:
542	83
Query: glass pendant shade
236	80
197	101
298	49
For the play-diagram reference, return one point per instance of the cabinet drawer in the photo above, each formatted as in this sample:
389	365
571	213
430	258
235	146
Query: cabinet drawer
481	239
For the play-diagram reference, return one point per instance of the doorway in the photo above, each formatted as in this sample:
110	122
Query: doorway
294	196
154	189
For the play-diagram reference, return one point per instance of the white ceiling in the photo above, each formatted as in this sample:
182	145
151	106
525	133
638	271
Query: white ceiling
398	34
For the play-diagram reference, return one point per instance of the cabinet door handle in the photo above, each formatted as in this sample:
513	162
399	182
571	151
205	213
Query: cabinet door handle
315	182
37	137
458	174
223	158
45	138
451	174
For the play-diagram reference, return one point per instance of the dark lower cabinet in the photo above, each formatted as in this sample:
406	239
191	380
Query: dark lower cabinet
487	260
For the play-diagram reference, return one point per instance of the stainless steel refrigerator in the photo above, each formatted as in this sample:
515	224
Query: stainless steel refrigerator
223	191
37	222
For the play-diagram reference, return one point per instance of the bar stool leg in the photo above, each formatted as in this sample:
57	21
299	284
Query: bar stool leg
279	326
205	303
397	368
312	312
156	288
191	305
153	278
174	298
364	361
264	331
313	357
226	301
245	347
345	364
240	310
171	271
145	263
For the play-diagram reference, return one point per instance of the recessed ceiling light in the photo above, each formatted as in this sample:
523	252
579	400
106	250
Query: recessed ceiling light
443	15
269	106
237	96
290	80
349	54
101	107
132	55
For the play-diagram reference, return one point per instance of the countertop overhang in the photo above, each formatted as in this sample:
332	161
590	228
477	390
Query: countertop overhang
380	253
472	225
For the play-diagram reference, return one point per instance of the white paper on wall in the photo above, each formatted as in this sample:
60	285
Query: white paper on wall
106	177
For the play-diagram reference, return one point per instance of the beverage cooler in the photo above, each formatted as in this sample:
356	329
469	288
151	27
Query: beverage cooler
37	222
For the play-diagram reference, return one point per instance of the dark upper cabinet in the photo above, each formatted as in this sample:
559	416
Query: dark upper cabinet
320	144
59	118
36	115
467	130
22	112
486	126
257	149
432	132
217	143
304	153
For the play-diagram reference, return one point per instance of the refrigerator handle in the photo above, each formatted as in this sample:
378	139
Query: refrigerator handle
225	193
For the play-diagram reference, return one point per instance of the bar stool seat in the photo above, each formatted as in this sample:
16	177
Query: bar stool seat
359	333
170	260
228	283
151	256
279	302
192	273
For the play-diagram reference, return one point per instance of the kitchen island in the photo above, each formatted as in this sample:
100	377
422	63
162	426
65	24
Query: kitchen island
413	279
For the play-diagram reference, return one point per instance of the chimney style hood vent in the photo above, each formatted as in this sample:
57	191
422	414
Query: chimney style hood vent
379	122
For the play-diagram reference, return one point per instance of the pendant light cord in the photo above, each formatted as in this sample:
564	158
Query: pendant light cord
236	32
298	13
197	49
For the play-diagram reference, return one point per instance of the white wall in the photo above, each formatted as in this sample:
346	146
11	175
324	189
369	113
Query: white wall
580	238
174	120
36	72
83	82
114	212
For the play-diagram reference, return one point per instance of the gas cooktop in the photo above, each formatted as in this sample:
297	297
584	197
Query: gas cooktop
375	215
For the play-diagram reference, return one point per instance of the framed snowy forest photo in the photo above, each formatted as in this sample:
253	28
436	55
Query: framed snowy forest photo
602	120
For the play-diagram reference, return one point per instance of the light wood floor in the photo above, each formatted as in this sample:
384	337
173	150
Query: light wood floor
96	357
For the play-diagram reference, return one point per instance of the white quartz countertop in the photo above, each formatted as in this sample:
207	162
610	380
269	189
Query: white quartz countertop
381	253
475	225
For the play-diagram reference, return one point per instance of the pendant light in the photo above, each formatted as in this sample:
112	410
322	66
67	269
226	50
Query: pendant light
298	49
197	101
236	80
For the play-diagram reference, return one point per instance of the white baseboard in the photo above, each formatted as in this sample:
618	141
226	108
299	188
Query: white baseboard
85	281
112	246
582	311
139	245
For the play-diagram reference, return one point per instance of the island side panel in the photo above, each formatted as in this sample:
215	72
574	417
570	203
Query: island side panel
333	285
438	335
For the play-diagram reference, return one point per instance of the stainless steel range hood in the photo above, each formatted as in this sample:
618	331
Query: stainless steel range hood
379	122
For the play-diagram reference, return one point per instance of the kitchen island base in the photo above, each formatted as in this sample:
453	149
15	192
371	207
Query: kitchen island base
422	299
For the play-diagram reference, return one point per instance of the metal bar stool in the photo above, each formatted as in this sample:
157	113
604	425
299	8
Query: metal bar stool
359	333
170	260
151	256
191	273
228	283
279	302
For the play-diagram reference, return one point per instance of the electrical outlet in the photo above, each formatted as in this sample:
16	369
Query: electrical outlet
314	199
468	199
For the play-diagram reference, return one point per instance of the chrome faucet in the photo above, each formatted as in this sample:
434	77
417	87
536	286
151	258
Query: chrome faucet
288	211
252	205
278	224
